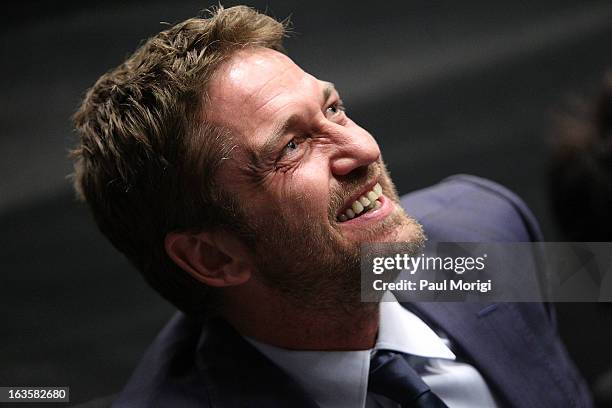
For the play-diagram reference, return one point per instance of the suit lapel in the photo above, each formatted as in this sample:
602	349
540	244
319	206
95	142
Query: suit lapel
237	375
498	341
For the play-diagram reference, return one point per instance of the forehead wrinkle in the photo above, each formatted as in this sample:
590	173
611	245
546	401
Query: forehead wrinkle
259	155
263	86
253	63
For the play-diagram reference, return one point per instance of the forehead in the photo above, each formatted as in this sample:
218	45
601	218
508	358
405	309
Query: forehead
256	86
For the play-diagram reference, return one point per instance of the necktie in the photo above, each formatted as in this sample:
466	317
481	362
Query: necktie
392	377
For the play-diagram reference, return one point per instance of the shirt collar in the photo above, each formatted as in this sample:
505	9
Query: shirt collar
401	330
330	378
340	378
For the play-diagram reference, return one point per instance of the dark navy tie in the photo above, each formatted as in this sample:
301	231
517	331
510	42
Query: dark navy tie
392	377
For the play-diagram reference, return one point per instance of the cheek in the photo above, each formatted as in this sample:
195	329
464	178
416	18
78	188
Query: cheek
300	193
308	191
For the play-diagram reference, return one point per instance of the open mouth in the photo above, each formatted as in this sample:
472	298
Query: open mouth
366	202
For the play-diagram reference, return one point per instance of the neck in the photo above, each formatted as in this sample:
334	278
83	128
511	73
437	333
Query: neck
272	319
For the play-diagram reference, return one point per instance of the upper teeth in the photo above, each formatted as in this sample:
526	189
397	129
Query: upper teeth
366	202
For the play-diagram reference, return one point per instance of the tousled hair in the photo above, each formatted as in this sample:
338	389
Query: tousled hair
146	160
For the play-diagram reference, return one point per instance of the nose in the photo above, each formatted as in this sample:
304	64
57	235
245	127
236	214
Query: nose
355	148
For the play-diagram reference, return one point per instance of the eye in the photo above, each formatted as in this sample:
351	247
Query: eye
290	147
334	109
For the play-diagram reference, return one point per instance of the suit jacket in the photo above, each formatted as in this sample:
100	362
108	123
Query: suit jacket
514	345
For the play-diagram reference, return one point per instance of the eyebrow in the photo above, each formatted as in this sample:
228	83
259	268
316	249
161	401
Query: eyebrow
270	145
328	90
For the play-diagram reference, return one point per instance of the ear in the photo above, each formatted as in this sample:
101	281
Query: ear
215	258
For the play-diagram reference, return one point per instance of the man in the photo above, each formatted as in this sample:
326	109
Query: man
240	188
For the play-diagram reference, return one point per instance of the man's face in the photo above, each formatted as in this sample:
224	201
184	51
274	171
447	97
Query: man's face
299	167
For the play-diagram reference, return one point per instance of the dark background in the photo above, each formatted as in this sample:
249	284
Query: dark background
450	87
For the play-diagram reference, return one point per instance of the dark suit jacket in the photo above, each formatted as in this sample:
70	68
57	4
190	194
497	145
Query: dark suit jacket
513	345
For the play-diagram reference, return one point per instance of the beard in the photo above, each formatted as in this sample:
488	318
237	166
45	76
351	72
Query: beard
311	264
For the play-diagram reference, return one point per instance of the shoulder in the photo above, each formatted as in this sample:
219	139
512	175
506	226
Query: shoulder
167	375
465	208
469	208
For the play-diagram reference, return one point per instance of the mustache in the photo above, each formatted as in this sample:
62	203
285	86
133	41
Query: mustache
352	184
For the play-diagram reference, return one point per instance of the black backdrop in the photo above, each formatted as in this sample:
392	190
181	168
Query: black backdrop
444	88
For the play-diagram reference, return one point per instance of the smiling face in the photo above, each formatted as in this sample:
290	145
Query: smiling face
311	182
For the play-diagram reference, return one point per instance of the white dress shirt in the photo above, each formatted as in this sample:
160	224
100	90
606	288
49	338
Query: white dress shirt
339	379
